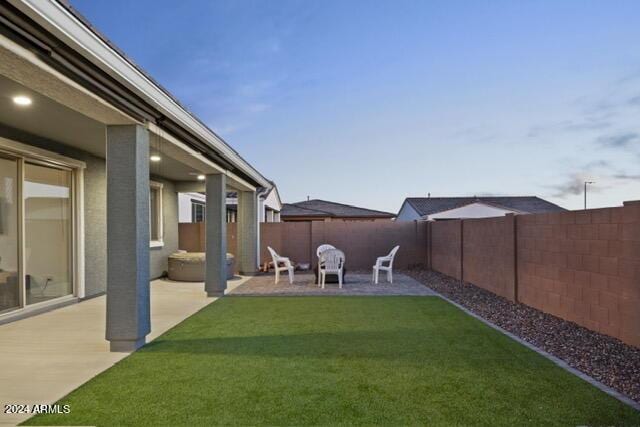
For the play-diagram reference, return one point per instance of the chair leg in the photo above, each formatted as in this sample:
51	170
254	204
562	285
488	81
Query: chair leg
340	279
390	276
291	276
377	276
277	275
323	278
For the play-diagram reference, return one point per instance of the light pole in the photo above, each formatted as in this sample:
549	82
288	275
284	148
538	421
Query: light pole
585	192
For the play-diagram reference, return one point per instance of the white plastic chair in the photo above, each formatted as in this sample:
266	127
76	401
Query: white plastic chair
388	268
331	262
277	260
323	248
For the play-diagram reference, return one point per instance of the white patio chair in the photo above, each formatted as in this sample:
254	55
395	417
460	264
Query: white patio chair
323	248
331	262
277	260
388	268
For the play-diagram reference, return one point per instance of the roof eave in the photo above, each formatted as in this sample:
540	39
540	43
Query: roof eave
59	20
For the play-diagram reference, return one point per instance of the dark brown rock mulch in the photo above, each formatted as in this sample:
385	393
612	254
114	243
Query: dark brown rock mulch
602	357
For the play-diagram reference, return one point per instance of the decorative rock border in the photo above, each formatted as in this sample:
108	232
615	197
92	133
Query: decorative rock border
584	353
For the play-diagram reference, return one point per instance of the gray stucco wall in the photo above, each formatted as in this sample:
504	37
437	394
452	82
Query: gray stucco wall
159	255
95	226
95	208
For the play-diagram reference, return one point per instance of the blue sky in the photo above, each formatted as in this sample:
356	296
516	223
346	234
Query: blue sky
368	102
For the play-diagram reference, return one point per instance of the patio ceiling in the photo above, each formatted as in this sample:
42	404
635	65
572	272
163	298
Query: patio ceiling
49	119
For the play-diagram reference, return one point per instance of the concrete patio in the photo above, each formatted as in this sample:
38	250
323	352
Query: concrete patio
47	356
355	284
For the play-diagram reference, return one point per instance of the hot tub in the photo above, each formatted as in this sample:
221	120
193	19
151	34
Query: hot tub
190	266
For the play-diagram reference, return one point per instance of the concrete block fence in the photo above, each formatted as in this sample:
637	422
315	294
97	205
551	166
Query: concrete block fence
582	266
362	242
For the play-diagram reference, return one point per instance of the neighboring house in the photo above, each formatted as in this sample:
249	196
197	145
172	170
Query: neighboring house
192	206
442	208
93	154
322	210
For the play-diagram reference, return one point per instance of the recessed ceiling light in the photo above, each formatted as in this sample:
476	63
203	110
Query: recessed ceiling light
155	158
22	100
201	177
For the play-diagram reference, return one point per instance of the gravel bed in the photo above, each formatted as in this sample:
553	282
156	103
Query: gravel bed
602	357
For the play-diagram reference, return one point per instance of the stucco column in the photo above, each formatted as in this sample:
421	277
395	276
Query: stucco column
216	235
128	318
248	232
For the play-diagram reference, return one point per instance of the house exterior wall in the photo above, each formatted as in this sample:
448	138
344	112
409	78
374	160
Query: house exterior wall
184	205
407	213
474	210
159	255
95	207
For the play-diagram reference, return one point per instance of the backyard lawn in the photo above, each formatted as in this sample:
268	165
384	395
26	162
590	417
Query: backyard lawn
336	360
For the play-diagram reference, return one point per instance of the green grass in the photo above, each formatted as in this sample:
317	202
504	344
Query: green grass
336	360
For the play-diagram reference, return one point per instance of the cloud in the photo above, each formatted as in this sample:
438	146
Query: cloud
622	140
627	177
572	186
598	164
634	101
586	124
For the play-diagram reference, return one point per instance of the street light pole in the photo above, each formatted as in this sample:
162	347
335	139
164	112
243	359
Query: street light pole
585	193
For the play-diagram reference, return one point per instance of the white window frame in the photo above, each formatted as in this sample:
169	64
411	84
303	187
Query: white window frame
204	210
159	242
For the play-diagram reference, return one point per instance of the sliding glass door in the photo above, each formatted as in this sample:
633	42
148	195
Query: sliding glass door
36	232
9	235
47	232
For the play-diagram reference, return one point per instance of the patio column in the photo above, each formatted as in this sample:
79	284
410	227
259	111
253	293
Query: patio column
128	318
248	232
216	235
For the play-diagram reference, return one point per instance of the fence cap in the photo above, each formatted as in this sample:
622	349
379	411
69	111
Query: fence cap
631	203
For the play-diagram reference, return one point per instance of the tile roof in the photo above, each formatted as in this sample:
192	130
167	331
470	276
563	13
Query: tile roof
323	208
524	204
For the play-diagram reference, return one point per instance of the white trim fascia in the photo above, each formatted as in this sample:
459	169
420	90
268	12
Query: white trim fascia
57	19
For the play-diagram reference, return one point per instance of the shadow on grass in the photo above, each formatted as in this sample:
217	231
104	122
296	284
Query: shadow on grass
397	344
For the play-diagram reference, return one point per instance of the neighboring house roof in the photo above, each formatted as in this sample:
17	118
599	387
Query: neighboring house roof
525	204
323	208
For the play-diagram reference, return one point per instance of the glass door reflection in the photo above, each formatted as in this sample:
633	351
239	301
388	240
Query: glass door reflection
9	235
47	232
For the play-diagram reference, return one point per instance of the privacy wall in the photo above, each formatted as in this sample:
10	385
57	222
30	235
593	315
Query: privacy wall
583	266
362	242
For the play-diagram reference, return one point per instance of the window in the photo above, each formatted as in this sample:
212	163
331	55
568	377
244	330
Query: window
198	211
155	214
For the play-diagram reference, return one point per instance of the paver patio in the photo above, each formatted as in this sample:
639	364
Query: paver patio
355	284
